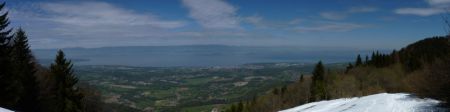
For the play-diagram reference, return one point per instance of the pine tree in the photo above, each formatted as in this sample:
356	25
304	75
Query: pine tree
283	89
233	108
358	60
318	85
301	78
377	59
68	96
275	91
372	59
24	67
240	107
9	83
367	60
395	57
319	71
349	67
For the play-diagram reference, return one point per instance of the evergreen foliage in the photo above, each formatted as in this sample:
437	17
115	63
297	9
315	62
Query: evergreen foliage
318	83
66	92
366	60
283	89
28	87
25	69
358	60
302	78
349	66
9	83
275	91
240	107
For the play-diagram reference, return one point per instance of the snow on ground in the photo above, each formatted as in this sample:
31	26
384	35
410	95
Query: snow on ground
5	110
383	102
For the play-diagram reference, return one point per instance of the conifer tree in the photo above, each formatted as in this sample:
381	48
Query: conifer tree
240	107
233	108
68	96
395	57
318	85
372	59
283	89
319	71
358	60
9	83
367	60
301	78
349	67
24	67
275	91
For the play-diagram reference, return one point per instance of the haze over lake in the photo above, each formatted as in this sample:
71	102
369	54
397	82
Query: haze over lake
198	55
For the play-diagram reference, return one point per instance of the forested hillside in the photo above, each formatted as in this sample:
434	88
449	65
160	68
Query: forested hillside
421	68
27	86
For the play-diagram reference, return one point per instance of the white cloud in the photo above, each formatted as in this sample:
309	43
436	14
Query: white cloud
330	27
295	21
333	15
265	24
438	2
100	24
99	13
419	11
215	14
89	24
256	20
362	9
434	7
340	15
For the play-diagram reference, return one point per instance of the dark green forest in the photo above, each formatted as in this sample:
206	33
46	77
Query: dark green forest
29	87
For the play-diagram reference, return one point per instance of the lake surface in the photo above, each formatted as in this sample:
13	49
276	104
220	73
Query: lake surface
202	55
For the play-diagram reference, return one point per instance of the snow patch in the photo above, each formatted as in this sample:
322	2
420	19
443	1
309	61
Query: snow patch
5	110
383	102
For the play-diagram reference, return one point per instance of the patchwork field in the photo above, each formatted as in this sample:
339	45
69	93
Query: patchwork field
186	88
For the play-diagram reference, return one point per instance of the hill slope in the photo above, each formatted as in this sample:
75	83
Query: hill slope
421	69
5	110
382	102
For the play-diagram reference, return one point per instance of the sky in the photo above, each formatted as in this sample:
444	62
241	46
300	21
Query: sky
350	24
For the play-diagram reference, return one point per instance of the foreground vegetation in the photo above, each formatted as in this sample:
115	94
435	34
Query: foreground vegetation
28	87
421	68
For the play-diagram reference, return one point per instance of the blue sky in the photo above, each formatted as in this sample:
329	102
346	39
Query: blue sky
350	24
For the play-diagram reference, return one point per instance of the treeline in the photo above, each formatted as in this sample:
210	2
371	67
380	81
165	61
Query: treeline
28	87
421	68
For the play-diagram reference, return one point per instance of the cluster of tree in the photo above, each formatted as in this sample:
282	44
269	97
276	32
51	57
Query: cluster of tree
276	99
377	59
427	51
413	57
28	87
433	81
421	68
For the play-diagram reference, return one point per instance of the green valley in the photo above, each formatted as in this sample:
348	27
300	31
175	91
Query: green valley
187	88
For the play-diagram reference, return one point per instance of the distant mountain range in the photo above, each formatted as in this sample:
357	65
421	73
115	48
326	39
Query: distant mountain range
197	55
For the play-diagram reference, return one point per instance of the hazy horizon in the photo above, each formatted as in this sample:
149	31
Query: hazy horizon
200	55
